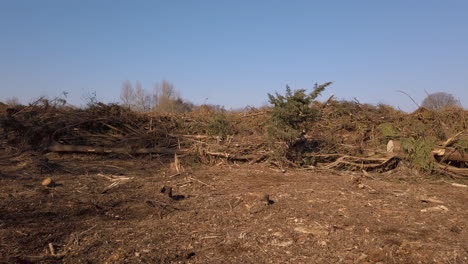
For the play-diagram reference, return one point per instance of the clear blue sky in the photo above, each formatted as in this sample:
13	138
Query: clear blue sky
235	52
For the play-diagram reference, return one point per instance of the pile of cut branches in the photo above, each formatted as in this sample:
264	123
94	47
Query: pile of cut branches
102	127
335	135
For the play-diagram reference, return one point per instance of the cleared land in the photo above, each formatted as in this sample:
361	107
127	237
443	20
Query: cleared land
223	214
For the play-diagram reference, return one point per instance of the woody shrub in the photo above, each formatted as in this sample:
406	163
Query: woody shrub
292	112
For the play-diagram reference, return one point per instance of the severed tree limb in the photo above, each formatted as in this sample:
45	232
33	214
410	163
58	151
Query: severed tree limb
248	157
363	163
450	154
328	101
191	136
452	139
454	172
121	150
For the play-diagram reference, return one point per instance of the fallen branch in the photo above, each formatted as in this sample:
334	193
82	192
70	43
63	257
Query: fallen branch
110	187
366	164
209	185
450	154
328	101
248	157
51	249
120	150
114	178
451	140
454	172
190	136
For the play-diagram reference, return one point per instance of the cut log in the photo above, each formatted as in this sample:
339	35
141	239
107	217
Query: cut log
394	147
449	154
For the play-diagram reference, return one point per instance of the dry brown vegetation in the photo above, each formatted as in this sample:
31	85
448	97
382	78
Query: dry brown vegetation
212	186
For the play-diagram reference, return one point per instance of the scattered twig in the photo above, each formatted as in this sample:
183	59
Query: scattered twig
211	186
52	249
110	187
328	101
114	178
174	175
403	92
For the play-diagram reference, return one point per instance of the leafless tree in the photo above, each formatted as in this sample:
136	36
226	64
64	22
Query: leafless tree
12	101
164	95
440	100
167	99
164	98
127	95
142	98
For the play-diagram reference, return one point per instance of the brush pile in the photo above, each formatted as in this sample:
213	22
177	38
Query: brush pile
357	136
43	125
343	135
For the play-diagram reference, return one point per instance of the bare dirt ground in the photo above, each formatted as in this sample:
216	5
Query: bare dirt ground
107	210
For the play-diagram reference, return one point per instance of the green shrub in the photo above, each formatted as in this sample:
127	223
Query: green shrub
462	145
419	152
218	125
291	112
388	130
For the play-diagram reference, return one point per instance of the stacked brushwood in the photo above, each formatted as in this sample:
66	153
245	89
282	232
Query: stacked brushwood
347	136
352	136
97	128
451	158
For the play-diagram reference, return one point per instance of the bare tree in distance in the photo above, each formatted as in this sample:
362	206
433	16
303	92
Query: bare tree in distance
167	99
439	100
135	96
142	98
12	101
127	95
164	93
164	98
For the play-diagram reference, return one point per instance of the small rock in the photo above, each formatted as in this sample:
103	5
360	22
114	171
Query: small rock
456	229
361	186
459	185
267	200
190	255
48	182
167	190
